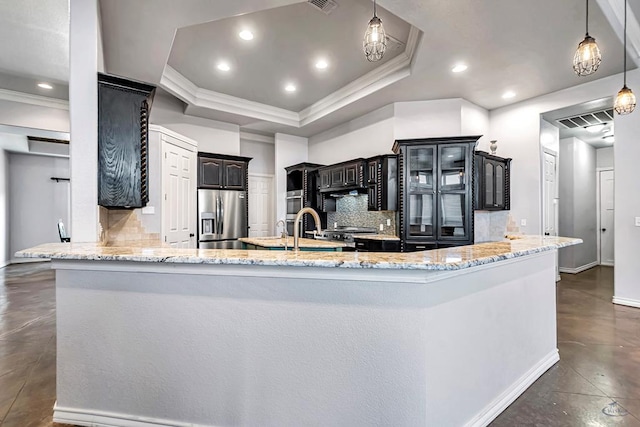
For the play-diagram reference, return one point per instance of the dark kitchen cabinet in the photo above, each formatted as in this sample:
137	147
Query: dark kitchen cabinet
123	128
492	182
382	183
303	181
436	192
219	171
375	245
343	176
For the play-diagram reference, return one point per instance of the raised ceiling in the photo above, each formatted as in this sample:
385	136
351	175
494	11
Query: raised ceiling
287	43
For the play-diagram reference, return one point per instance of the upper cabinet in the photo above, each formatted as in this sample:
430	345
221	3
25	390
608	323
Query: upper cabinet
382	183
343	176
436	188
123	124
492	182
219	171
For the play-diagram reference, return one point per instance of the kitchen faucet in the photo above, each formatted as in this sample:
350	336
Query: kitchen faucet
284	234
296	225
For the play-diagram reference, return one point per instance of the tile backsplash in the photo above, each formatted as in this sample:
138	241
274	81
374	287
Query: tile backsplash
123	225
352	211
490	226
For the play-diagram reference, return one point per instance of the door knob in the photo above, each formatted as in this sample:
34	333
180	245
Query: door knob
546	234
191	235
604	229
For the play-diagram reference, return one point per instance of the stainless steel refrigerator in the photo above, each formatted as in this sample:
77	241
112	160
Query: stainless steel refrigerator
222	219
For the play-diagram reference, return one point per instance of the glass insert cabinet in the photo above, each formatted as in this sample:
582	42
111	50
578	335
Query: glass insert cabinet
492	184
436	192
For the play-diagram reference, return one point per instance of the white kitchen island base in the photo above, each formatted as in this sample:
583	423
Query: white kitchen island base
178	344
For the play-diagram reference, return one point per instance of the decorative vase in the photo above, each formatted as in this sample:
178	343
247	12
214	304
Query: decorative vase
493	146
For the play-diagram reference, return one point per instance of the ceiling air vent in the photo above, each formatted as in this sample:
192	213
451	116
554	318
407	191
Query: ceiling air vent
326	6
394	44
583	120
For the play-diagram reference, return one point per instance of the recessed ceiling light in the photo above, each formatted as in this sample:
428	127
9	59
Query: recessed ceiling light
508	94
45	86
609	138
322	64
290	87
459	68
223	66
594	128
246	35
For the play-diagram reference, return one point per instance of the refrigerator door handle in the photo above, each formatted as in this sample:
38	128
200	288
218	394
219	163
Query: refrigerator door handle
218	215
221	216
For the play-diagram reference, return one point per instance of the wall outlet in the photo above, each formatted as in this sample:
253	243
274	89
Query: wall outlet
335	225
381	227
638	221
388	222
523	222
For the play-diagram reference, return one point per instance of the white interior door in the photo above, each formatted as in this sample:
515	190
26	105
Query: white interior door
260	205
550	195
606	217
178	219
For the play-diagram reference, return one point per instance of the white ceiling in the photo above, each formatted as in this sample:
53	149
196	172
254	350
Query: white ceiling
509	45
35	39
288	41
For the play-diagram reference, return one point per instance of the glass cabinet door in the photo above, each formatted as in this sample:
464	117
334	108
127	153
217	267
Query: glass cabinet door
454	163
489	173
421	171
499	185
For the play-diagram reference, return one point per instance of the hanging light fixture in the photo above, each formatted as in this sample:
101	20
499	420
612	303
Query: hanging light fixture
626	100
375	40
587	58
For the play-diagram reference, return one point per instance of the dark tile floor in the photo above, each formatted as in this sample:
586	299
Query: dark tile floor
599	347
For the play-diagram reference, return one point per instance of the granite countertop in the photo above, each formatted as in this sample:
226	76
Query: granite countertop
376	237
440	259
279	242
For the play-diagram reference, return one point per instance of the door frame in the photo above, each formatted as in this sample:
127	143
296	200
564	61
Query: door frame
272	201
188	145
546	150
598	209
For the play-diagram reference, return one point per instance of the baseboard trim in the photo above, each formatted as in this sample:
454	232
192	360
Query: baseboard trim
495	408
578	269
626	301
90	418
607	264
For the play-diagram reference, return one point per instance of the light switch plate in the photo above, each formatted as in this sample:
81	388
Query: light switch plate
638	221
523	222
388	222
148	210
381	227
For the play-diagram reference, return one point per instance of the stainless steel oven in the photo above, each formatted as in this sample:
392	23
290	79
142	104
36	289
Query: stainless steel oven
294	202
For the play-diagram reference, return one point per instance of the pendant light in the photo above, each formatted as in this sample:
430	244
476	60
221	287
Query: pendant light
587	58
626	100
375	40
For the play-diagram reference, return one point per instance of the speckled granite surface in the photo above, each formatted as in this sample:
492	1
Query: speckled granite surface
279	242
441	259
377	237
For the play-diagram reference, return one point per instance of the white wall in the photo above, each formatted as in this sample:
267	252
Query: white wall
5	255
366	136
36	203
374	133
549	136
289	150
212	136
626	152
474	120
83	113
577	204
604	157
263	156
34	116
517	129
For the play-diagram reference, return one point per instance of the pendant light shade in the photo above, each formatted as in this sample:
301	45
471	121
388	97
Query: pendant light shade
587	58
375	40
625	101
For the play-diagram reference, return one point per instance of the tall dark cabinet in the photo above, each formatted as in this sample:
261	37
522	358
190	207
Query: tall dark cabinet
303	190
123	127
436	192
492	184
382	183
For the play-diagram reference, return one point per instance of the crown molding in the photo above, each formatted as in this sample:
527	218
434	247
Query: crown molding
28	98
250	136
614	11
388	73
